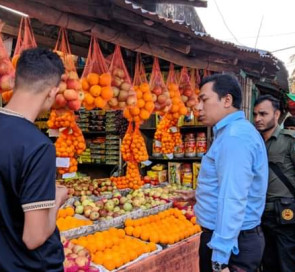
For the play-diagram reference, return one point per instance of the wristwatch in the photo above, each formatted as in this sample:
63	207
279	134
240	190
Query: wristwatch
217	267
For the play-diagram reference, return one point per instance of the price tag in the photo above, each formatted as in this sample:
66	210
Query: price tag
62	162
158	143
173	129
53	132
169	156
146	163
69	175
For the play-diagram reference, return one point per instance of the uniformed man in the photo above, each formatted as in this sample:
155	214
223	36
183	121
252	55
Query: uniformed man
279	255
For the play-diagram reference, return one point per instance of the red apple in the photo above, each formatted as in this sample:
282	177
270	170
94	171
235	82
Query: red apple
70	94
60	101
157	90
74	104
7	83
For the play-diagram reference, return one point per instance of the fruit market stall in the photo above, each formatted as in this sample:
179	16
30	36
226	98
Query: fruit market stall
125	129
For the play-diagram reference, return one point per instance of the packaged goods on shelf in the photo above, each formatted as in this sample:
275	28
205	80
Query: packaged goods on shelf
174	172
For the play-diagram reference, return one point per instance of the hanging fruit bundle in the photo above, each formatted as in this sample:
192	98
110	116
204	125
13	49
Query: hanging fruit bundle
144	105
96	81
138	146
126	144
70	94
187	92
25	39
123	92
159	91
132	179
6	72
133	146
195	83
70	142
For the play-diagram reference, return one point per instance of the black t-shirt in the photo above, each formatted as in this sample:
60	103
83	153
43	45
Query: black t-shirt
27	182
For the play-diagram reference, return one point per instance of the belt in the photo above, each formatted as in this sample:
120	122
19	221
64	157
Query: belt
257	229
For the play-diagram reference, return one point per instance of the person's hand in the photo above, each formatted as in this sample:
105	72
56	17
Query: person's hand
185	195
225	270
61	195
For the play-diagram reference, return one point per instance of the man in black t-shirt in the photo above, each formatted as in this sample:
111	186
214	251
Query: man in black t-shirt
29	200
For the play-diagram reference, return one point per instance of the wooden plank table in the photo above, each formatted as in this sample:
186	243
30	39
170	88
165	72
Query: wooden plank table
181	257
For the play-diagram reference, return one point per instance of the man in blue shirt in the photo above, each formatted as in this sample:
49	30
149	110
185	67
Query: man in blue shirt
232	182
29	200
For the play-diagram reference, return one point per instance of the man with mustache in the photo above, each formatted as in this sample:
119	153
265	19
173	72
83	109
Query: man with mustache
232	181
279	255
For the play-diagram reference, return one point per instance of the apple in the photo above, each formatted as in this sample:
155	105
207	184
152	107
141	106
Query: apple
60	100
157	90
87	212
81	261
70	94
123	199
116	209
85	202
77	248
99	204
116	201
94	215
127	207
110	205
79	209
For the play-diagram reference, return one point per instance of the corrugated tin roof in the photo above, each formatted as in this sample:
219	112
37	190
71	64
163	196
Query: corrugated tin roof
182	26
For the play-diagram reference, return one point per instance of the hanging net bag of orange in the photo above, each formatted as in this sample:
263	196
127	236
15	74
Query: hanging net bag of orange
144	106
6	71
70	94
96	80
123	91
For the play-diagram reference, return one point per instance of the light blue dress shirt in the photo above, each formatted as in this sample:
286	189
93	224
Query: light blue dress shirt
232	184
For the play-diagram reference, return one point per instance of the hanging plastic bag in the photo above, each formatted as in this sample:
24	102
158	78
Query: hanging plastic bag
144	105
70	92
6	69
25	39
96	80
177	106
188	95
138	146
126	144
195	83
160	93
124	95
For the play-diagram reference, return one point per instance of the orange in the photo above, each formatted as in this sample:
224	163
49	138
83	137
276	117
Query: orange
144	236
85	84
145	87
139	94
144	114
149	106
93	78
15	60
95	90
154	237
98	258
107	93
140	103
147	97
128	222
109	264
135	110
99	102
88	98
105	79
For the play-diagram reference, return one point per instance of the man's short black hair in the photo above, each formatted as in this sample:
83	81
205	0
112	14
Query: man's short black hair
289	122
38	68
224	84
267	97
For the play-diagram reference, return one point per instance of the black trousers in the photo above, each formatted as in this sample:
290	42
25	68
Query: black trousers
251	246
279	254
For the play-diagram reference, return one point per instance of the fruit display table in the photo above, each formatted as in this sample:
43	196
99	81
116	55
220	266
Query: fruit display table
181	257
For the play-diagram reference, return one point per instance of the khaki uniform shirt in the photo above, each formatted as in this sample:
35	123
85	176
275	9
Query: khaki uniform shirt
281	151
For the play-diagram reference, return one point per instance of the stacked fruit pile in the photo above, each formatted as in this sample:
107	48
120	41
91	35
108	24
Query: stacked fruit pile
66	220
112	248
167	227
